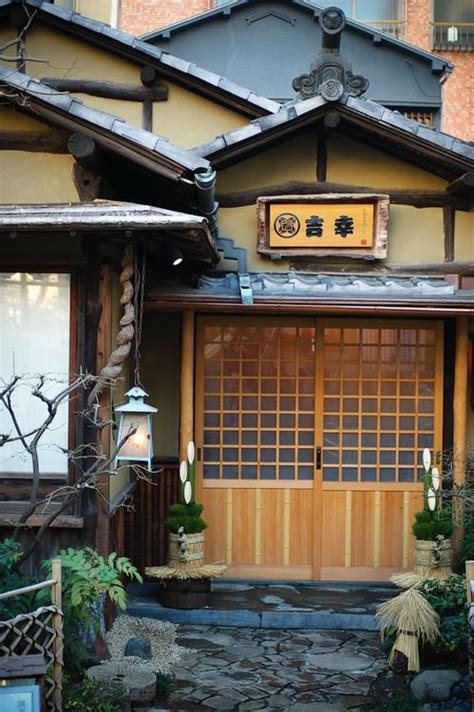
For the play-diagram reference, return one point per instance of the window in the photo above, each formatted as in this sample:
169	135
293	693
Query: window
35	339
453	25
385	15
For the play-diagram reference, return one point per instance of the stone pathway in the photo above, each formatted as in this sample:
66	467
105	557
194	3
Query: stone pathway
255	669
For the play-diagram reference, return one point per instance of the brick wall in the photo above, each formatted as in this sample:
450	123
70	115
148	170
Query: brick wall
458	91
140	16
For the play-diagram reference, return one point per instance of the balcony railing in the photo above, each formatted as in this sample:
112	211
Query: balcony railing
452	37
395	28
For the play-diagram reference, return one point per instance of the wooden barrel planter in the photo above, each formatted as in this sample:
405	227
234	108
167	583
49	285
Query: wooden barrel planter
194	555
433	560
187	593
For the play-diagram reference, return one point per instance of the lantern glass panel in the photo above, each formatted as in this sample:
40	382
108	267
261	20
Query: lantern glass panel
137	445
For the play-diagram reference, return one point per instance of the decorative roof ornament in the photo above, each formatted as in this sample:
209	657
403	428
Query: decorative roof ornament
331	74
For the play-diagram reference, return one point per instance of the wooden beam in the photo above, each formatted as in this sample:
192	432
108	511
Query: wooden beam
321	159
415	198
107	90
463	184
84	149
449	217
34	141
461	268
186	426
103	350
88	183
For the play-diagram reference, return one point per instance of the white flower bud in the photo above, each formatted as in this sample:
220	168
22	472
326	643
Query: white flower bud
435	478
426	459
191	452
431	499
183	471
188	492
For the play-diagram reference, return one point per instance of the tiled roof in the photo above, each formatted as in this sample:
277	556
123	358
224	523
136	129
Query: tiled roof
145	52
358	106
297	284
190	233
67	106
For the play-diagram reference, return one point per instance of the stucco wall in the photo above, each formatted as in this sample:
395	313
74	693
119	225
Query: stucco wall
161	354
36	178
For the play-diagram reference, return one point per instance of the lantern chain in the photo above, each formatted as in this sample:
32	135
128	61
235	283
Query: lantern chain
140	271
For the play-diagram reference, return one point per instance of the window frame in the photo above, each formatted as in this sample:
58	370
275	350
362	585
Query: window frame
67	477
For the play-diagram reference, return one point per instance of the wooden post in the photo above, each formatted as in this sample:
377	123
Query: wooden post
186	414
469	578
56	600
104	347
461	361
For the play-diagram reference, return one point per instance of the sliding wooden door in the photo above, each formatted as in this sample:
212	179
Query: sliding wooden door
309	437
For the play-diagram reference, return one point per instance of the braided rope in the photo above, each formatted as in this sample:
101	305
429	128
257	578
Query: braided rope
113	367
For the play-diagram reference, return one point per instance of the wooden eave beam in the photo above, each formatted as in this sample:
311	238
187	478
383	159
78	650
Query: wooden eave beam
415	198
300	305
108	90
463	184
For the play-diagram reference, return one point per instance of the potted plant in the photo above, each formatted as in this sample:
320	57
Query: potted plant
186	580
432	528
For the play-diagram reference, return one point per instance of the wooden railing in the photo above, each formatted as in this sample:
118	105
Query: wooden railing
40	631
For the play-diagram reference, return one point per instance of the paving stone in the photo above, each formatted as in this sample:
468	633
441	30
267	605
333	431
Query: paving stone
219	703
340	661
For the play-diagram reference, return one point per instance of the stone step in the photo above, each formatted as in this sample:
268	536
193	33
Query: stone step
275	605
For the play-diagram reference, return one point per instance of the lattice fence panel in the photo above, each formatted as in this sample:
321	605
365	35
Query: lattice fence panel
38	632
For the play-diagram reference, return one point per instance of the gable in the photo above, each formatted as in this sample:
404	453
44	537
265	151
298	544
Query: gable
71	58
416	236
264	45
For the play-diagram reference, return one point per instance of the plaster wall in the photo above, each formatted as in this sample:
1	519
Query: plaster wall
36	178
464	237
352	162
161	355
185	118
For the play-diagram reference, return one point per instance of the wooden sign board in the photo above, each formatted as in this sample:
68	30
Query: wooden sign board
350	225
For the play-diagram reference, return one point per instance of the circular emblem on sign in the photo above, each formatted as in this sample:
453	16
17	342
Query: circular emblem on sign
286	225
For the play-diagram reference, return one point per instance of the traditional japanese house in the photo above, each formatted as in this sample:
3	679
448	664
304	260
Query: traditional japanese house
315	338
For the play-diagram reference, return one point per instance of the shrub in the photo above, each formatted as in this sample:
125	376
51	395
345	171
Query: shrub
448	598
187	516
429	525
10	552
93	696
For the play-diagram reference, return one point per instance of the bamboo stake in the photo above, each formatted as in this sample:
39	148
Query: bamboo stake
56	600
186	428
460	412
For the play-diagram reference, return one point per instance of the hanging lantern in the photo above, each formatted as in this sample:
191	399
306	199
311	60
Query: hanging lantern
135	416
